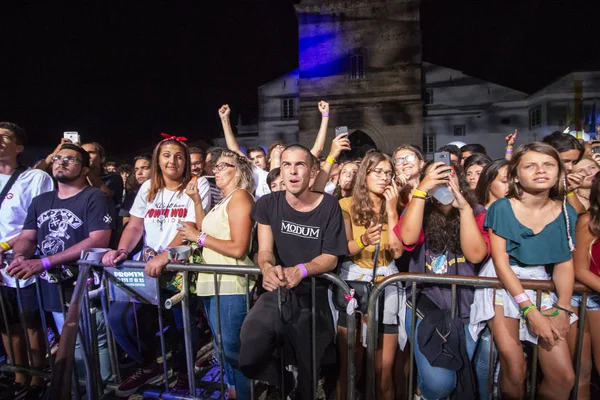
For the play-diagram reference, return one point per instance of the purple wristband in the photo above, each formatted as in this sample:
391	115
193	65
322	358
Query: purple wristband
325	114
46	263
201	239
302	268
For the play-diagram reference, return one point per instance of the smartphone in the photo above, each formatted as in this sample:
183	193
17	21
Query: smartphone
341	130
596	149
72	136
442	156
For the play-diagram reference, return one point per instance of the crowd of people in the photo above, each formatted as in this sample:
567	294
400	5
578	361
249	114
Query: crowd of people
534	214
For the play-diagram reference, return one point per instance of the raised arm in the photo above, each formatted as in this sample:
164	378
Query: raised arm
232	144
338	144
510	142
320	140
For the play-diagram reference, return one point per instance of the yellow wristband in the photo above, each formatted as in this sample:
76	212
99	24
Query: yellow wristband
330	160
528	310
570	194
5	246
421	194
360	243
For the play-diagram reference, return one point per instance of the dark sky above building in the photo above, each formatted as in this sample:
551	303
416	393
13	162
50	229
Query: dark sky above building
121	74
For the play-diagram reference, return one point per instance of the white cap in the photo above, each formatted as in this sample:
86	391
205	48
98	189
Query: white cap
457	143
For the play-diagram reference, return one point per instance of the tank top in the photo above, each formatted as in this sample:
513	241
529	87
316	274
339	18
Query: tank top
595	260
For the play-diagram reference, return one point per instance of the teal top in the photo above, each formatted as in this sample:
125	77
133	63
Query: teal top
524	248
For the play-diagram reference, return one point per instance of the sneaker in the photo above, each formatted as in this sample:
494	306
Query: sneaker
181	386
140	377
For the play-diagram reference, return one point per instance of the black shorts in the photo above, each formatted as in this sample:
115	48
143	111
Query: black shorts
381	327
30	305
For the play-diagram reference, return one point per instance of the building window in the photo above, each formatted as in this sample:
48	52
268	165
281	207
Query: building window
460	130
429	143
288	110
535	117
357	66
429	96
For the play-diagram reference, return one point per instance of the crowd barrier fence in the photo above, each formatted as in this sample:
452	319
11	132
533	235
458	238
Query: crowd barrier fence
80	325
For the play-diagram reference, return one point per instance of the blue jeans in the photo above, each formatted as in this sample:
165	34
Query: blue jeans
232	310
434	382
105	370
482	363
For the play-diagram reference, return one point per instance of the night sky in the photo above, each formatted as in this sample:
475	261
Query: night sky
123	74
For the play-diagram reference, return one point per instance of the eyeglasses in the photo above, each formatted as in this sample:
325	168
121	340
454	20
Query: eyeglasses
349	173
221	166
380	173
407	158
65	159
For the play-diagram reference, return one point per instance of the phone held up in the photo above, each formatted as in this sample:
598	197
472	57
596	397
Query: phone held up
442	156
341	130
72	136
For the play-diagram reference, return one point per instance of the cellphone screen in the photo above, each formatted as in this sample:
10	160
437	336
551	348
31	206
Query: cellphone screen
341	130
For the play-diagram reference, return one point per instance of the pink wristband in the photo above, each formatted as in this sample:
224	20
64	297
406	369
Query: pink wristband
303	269
521	298
201	239
46	263
324	114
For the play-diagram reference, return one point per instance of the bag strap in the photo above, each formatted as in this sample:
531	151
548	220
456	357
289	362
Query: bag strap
11	181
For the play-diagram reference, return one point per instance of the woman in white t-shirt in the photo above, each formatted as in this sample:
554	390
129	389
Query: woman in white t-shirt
160	205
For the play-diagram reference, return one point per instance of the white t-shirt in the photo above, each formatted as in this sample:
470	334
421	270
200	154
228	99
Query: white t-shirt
260	180
161	215
13	210
204	192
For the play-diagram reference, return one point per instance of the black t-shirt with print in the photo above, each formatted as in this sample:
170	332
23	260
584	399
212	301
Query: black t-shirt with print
299	237
62	223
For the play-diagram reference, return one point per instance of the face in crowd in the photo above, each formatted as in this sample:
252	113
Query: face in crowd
277	184
225	172
171	161
296	170
537	172
348	176
209	165
406	162
379	177
111	169
473	174
67	166
142	170
8	144
569	158
95	159
197	164
499	186
588	169
258	158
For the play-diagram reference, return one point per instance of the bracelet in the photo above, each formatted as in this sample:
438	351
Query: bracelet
527	310
360	243
330	160
46	263
554	314
555	305
325	114
509	151
5	246
521	298
201	238
303	269
569	194
124	251
419	194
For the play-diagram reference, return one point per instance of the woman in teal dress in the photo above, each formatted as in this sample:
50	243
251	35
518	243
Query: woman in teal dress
531	236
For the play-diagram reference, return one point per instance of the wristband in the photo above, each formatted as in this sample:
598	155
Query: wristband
303	269
201	238
569	194
554	314
527	310
124	251
46	263
326	114
419	194
563	309
5	246
509	151
330	160
521	298
360	243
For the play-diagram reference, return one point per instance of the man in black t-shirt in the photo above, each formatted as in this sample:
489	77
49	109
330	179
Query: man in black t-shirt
300	234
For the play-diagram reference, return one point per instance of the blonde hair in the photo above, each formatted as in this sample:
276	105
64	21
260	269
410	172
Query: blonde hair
244	175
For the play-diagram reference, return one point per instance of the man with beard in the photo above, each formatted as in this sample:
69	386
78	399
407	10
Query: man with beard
111	183
204	198
62	223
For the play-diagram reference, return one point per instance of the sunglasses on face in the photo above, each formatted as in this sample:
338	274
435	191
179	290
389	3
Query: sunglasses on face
407	158
65	159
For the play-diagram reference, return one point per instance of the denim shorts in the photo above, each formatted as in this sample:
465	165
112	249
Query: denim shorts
593	301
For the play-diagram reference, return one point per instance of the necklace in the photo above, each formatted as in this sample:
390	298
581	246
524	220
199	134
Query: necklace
162	218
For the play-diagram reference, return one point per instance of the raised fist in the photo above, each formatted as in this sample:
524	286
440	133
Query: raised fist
323	107
224	111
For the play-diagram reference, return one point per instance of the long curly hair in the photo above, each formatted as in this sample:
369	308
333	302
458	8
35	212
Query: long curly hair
443	231
362	205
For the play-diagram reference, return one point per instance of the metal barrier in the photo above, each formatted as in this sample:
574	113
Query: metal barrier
454	281
62	380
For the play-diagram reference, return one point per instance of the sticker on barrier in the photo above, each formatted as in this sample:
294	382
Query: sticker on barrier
131	285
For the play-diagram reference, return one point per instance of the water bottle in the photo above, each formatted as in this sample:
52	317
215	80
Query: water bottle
443	194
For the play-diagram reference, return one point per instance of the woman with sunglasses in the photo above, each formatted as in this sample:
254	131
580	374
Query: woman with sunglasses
408	164
160	205
225	240
442	239
368	214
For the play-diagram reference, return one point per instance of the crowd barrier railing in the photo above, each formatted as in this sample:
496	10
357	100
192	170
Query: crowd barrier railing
455	281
